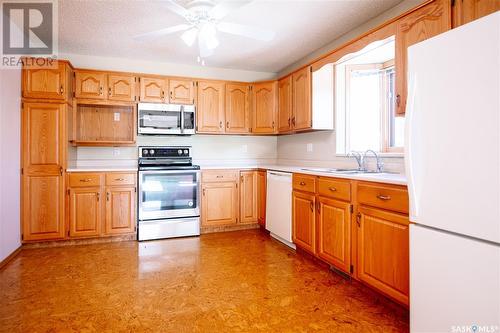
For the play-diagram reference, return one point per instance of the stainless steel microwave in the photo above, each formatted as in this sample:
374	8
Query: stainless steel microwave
166	119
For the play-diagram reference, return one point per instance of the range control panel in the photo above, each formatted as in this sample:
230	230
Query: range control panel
162	152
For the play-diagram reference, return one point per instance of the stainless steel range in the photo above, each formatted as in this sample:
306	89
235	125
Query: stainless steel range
169	193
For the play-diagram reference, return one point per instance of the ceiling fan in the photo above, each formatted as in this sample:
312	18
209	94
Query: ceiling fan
203	21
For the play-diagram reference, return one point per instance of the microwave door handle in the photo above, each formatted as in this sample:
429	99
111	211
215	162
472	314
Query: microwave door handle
182	119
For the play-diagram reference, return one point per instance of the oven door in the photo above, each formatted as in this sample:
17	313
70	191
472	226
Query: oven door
169	194
159	119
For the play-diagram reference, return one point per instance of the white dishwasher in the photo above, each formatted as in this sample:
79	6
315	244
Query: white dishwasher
279	206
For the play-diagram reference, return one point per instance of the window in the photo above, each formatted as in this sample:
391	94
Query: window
365	103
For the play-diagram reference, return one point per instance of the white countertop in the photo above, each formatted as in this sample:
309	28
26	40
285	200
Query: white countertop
388	178
102	169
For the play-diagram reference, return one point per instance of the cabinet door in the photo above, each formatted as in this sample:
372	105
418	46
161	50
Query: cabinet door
334	232
261	197
301	106
237	108
248	196
465	11
121	87
85	212
264	107
303	221
42	207
424	23
90	85
285	104
45	83
181	91
152	89
219	204
210	111
383	242
120	209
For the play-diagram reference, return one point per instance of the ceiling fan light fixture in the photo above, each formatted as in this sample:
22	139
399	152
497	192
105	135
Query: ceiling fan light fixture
189	36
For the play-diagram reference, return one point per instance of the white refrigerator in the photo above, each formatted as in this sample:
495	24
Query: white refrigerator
452	158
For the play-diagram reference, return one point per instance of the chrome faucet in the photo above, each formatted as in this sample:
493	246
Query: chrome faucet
359	159
380	164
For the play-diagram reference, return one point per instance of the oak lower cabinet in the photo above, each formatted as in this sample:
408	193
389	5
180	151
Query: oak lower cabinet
85	212
248	197
334	232
304	221
383	251
101	204
261	197
120	209
219	203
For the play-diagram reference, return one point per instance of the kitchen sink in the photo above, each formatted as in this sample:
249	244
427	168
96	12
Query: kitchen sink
347	171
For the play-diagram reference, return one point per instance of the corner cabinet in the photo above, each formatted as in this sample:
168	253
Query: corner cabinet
43	163
261	197
211	101
285	104
264	107
237	108
426	22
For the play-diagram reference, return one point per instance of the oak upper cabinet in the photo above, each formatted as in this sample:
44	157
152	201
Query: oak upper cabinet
334	232
90	84
52	82
285	104
43	160
261	197
210	112
153	89
120	209
383	251
303	221
85	211
248	197
265	105
237	108
301	105
465	11
219	203
181	91
426	22
121	87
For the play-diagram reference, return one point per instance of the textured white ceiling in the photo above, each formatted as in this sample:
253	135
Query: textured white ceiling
107	27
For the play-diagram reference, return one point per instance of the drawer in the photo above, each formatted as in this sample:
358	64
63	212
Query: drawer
386	197
334	188
113	179
82	179
219	176
304	183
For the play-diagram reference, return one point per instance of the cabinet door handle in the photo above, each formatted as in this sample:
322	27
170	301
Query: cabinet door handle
318	207
171	94
384	197
333	189
107	196
302	184
61	89
203	192
227	124
311	205
398	100
293	121
358	219
273	124
109	91
98	195
289	122
163	94
86	180
61	171
220	124
100	90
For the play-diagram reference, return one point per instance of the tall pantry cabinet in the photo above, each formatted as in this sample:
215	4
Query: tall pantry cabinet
46	104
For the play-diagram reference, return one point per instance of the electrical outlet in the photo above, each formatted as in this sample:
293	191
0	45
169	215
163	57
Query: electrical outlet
116	151
309	147
244	148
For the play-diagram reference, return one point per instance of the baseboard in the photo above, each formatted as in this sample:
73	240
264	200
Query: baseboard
11	256
82	241
223	228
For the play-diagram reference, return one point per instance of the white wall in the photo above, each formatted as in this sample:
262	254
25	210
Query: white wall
10	140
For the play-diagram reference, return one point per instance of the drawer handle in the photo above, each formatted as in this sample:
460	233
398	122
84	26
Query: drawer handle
311	205
333	189
384	197
219	176
85	180
119	179
302	184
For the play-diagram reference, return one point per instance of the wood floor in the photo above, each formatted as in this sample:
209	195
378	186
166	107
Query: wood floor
228	282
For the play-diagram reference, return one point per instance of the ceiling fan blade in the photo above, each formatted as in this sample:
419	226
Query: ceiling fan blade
205	51
222	9
246	31
176	8
161	32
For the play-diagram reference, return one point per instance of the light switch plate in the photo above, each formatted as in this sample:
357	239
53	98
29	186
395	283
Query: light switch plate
117	116
309	147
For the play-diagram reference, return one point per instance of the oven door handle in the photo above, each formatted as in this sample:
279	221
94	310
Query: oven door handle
149	172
